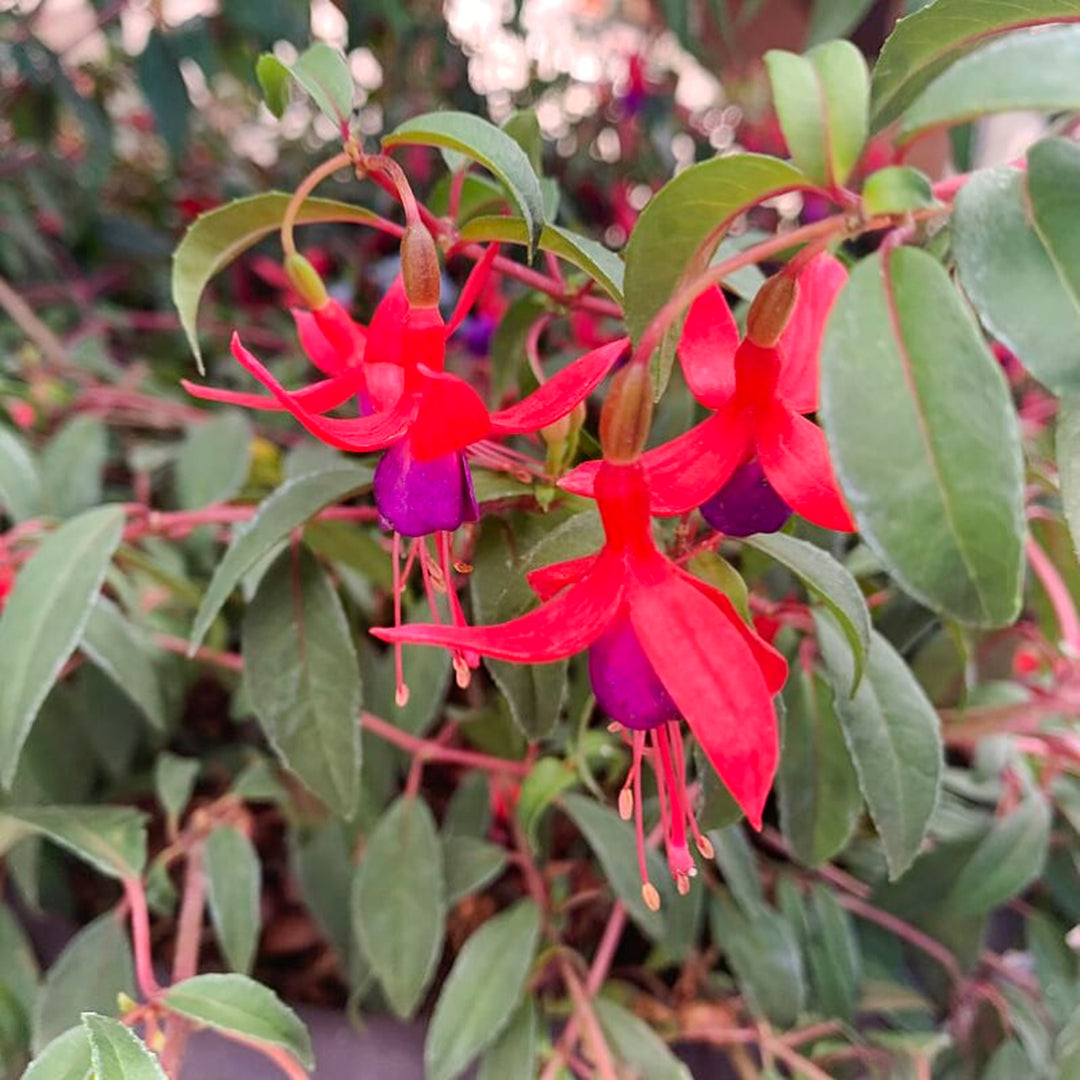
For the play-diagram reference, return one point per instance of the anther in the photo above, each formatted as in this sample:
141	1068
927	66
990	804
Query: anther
626	804
462	674
682	883
401	696
704	845
651	896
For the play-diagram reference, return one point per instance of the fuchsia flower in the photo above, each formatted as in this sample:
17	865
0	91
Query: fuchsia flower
422	416
759	395
662	645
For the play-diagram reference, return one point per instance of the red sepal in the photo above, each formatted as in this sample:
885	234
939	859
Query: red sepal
820	283
316	345
361	435
451	416
562	393
345	336
795	457
319	397
706	666
558	628
707	349
387	327
686	471
774	667
550	580
473	287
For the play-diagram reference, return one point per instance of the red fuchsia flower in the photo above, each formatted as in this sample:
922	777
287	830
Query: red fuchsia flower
757	456
663	645
423	417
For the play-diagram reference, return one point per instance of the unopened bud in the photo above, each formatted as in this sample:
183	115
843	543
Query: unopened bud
627	415
771	310
650	896
420	267
304	278
556	434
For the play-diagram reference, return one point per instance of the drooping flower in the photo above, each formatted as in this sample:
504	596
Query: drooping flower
663	645
409	402
759	394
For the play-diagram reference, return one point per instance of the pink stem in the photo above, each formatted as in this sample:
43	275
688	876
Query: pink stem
1058	591
140	936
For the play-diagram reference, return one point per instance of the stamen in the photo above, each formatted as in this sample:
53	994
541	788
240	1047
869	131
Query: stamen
701	842
626	796
648	891
401	691
445	543
680	861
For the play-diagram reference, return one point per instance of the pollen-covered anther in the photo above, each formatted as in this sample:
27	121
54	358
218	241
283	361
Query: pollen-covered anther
682	883
401	696
463	567
651	896
626	804
462	674
704	845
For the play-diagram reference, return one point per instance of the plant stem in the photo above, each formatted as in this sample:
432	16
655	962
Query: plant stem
140	936
583	1010
1058	592
305	188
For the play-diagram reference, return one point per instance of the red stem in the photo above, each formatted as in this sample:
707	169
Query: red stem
1058	592
140	936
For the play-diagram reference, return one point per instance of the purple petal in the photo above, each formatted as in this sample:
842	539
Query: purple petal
746	504
626	685
420	497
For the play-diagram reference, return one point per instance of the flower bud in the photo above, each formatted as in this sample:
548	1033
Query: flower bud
420	267
627	415
304	278
771	310
556	434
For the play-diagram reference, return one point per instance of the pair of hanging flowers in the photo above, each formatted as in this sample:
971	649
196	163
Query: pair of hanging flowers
663	646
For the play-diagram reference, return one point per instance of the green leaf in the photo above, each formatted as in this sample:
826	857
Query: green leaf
1055	966
324	73
286	509
688	213
158	71
485	986
112	839
323	867
94	967
1067	452
67	1057
523	127
19	974
243	1007
220	236
739	867
612	841
500	592
822	101
117	1053
213	461
273	78
485	143
893	736
833	959
897	189
1039	72
636	1044
72	465
764	955
830	581
20	486
547	780
910	391
399	902
1008	859
1009	1061
818	789
513	1054
470	865
303	677
926	43
174	781
44	618
117	648
1017	252
590	256
836	18
234	881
